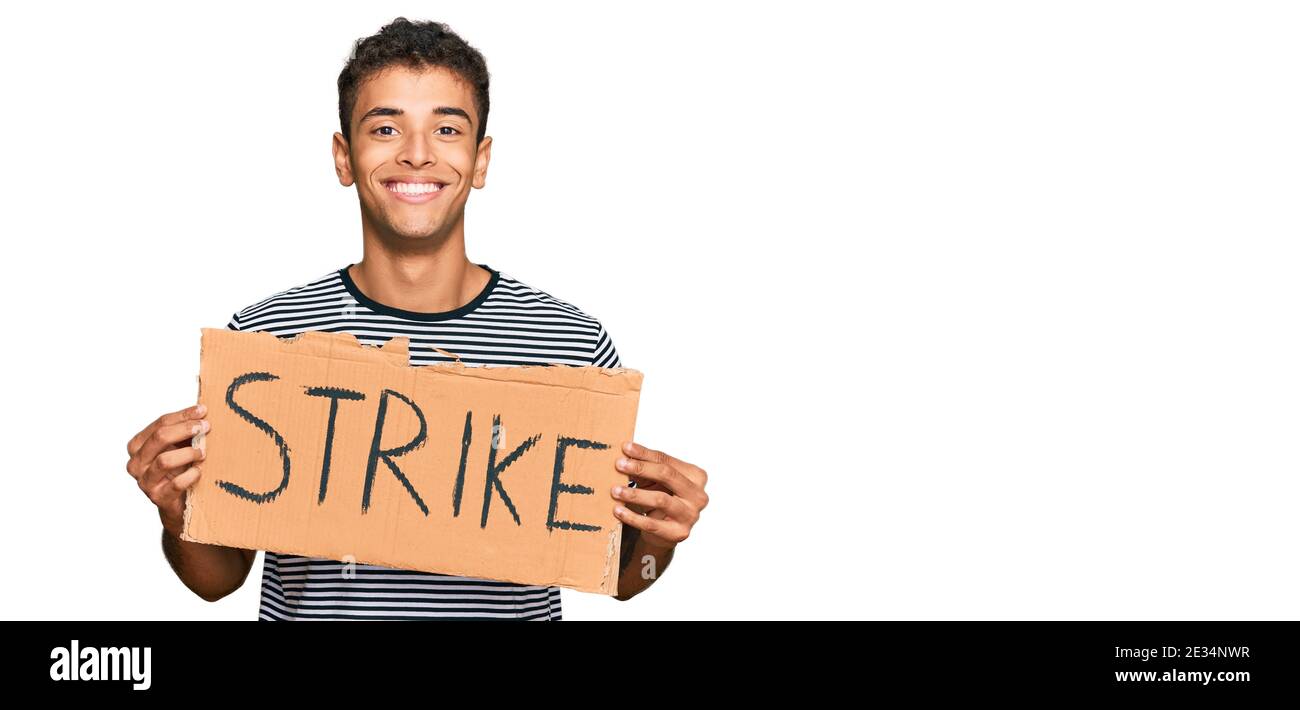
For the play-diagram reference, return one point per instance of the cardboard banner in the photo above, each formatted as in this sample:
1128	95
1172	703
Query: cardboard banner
323	447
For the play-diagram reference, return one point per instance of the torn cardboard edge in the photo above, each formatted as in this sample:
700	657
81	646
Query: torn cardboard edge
396	353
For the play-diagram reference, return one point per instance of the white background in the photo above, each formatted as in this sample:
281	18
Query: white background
971	310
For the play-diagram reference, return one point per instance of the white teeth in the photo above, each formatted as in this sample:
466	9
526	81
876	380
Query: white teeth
414	188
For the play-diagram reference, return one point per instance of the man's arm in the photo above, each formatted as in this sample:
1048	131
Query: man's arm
636	573
210	571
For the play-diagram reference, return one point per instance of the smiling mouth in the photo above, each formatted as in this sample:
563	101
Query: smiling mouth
414	192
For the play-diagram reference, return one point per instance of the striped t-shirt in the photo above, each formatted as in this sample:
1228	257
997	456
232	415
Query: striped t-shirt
508	323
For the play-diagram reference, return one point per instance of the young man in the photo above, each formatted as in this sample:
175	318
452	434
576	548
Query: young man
413	108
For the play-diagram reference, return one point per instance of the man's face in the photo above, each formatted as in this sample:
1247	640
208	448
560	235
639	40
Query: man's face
413	154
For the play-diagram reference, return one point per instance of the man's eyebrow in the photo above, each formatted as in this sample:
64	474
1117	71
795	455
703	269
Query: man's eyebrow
390	111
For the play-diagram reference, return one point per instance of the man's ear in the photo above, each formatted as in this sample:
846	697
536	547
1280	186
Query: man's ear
342	159
481	162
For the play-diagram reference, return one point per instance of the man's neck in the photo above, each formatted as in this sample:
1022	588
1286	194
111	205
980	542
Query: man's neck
425	283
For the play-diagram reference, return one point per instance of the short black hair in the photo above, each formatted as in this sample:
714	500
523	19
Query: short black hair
415	45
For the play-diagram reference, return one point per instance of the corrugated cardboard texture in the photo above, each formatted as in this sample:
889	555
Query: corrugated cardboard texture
507	477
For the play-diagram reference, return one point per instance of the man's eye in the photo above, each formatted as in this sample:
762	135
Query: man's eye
450	128
377	130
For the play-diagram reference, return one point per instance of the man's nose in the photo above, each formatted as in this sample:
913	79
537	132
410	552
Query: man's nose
417	152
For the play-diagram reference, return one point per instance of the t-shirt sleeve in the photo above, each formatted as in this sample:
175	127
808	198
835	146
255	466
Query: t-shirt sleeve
234	322
606	355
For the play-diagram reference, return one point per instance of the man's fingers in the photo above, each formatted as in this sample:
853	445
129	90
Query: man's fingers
665	477
645	453
687	469
182	482
164	439
169	493
174	483
670	530
170	463
138	441
671	506
670	478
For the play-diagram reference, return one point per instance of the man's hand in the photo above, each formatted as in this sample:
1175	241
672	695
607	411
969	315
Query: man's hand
668	497
163	463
